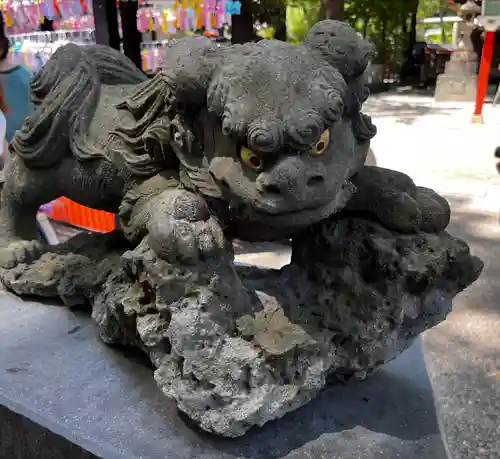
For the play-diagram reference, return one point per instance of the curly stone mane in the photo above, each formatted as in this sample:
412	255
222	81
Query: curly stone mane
146	142
66	92
271	92
311	85
275	93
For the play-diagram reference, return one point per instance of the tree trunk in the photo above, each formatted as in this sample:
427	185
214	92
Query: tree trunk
383	50
331	9
242	24
132	38
279	22
383	35
412	36
365	27
442	9
280	31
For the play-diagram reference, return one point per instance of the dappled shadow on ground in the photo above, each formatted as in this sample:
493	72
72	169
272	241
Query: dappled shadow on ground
407	104
466	386
481	230
406	112
462	354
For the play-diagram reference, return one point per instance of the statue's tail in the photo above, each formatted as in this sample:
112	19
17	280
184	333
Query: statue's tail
65	94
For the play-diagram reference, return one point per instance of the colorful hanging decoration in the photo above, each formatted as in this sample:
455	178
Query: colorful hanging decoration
6	14
206	16
187	15
199	17
143	21
44	9
25	16
164	21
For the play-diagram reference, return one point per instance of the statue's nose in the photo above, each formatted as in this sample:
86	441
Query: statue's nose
290	178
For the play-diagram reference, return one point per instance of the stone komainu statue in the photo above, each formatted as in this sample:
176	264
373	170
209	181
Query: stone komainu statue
259	141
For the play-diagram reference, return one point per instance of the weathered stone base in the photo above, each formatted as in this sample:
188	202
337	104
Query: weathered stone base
455	88
236	348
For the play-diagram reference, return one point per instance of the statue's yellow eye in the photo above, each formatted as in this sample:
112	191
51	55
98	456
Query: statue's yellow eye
250	159
321	144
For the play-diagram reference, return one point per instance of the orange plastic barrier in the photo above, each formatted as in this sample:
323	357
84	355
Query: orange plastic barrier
67	211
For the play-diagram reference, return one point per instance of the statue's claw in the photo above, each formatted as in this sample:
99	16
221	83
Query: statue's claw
435	210
186	234
393	199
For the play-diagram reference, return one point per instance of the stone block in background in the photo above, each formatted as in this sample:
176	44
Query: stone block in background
458	83
455	88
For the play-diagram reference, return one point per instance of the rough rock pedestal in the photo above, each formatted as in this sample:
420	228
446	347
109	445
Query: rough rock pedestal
238	348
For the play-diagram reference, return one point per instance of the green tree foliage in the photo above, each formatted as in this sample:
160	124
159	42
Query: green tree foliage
387	23
429	8
255	13
390	24
272	13
300	16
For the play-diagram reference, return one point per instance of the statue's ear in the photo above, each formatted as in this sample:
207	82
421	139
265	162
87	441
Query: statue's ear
188	66
340	46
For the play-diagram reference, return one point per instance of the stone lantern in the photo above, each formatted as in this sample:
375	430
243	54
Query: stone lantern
459	80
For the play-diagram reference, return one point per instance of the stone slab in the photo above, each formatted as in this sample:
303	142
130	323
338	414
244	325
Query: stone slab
64	390
460	88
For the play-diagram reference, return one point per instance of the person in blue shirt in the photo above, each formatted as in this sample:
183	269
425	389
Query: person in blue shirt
15	81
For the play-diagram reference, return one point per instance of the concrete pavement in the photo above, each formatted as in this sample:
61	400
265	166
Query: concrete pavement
436	145
433	142
462	354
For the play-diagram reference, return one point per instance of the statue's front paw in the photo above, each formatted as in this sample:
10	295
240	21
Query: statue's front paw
188	234
434	209
19	252
425	211
398	203
180	240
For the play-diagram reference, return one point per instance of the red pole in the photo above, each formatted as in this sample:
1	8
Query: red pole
484	73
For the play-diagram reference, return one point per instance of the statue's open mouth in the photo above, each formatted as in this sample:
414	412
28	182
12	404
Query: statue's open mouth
279	208
299	217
